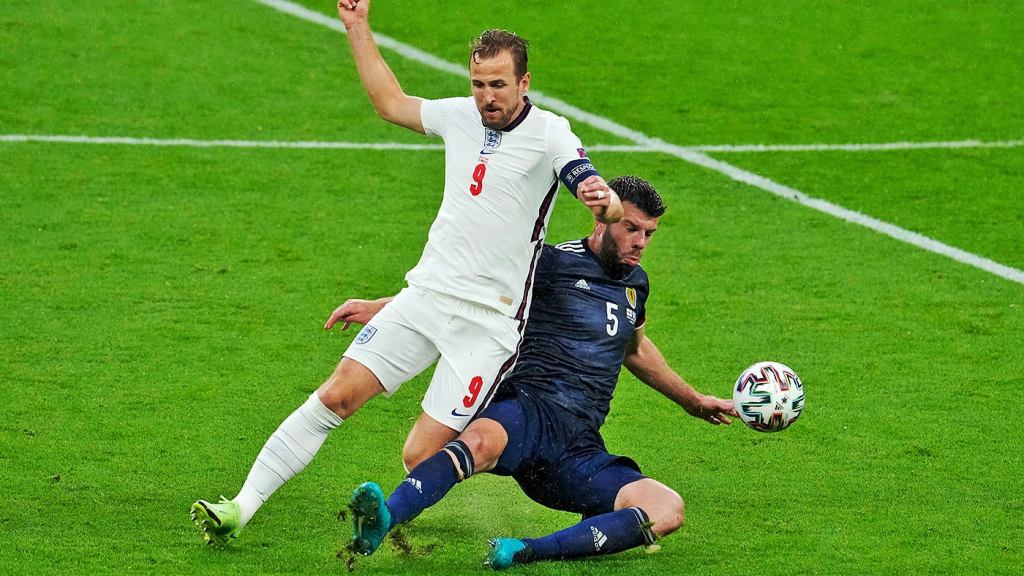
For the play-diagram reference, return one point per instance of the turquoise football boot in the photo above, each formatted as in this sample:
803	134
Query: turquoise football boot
507	552
371	519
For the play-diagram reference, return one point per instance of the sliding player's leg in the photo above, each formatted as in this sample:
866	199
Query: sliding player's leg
622	510
662	505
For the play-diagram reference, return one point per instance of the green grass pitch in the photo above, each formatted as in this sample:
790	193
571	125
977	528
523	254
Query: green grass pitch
161	309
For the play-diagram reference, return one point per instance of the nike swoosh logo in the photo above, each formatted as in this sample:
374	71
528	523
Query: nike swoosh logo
488	151
454	413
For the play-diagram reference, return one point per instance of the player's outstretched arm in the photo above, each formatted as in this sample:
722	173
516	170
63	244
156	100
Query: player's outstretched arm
385	92
602	200
356	312
645	361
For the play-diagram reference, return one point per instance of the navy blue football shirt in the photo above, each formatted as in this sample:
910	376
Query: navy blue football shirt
580	322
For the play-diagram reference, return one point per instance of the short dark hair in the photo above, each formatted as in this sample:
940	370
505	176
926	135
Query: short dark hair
492	42
640	193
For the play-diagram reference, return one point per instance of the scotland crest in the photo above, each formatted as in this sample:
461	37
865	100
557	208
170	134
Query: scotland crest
631	297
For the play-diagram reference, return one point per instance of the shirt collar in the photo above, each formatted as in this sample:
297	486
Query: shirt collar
522	116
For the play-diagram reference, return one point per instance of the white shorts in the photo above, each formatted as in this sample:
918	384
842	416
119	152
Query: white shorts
474	347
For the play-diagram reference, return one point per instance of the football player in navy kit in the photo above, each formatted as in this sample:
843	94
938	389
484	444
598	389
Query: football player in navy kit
466	303
542	428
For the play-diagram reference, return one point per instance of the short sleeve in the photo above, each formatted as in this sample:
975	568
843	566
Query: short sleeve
434	115
568	158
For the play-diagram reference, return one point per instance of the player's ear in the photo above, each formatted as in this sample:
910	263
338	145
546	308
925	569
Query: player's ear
524	82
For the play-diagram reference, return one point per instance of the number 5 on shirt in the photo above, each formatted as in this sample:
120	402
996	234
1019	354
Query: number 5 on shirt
613	321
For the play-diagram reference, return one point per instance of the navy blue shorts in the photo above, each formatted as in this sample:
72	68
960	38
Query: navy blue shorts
558	459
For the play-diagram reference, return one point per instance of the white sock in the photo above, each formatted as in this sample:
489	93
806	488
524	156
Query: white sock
286	453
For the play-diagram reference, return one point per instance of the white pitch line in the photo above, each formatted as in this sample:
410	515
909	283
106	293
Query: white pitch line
626	148
880	226
682	153
189	142
335	145
876	147
334	23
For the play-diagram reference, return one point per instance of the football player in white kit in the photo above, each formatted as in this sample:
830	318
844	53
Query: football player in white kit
467	298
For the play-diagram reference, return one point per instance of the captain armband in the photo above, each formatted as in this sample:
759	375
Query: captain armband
575	172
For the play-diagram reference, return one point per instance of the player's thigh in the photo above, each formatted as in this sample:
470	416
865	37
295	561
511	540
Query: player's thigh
395	346
505	437
594	478
663	506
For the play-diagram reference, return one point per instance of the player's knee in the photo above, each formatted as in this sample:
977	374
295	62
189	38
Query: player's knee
485	448
671	515
663	506
337	399
417	448
476	443
412	456
348	388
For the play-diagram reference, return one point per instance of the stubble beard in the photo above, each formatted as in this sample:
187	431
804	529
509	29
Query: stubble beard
505	119
611	259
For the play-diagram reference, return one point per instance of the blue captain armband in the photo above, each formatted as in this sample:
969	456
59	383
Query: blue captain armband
575	172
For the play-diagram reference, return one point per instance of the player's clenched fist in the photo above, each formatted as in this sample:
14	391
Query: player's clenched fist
352	11
602	200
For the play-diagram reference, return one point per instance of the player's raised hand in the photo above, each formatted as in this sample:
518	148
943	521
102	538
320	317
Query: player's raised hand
602	200
713	410
353	11
594	191
355	312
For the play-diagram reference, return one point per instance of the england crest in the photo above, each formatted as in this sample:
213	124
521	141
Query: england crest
365	334
492	139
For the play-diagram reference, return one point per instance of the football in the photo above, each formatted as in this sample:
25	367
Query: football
768	396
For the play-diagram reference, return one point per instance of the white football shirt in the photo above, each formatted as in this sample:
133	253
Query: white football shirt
499	190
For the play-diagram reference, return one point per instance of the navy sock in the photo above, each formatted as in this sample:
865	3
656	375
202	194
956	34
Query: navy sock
422	488
604	534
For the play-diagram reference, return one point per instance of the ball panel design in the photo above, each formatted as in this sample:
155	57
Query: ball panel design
768	396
